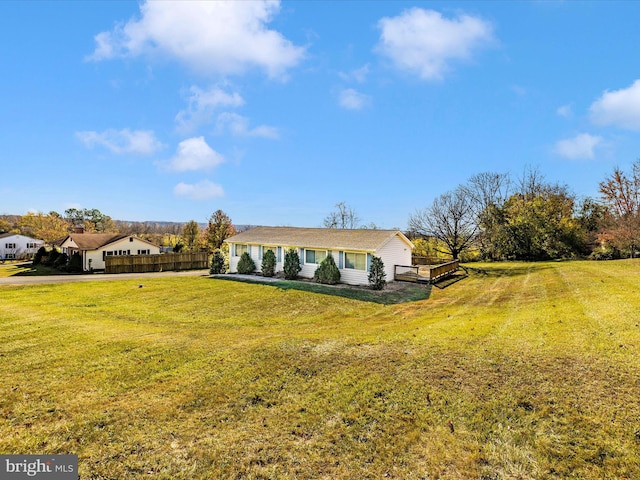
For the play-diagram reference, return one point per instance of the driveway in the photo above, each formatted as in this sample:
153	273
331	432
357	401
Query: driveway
93	277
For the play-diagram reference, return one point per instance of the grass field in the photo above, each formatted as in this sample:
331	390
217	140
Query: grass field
519	371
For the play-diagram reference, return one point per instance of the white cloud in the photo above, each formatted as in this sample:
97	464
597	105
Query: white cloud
194	154
141	142
423	42
203	190
565	111
202	105
238	126
353	100
358	75
210	37
620	108
581	146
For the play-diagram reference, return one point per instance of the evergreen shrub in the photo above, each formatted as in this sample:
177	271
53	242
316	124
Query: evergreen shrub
291	264
246	264
377	275
327	272
217	263
268	263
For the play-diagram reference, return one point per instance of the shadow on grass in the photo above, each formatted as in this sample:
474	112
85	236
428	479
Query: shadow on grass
447	282
503	269
395	294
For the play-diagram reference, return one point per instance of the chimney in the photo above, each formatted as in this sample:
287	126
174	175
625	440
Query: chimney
78	229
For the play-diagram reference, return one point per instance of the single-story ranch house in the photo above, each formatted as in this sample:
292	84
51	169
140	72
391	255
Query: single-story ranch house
16	246
351	249
95	247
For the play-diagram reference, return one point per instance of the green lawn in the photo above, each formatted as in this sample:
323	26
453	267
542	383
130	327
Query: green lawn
518	371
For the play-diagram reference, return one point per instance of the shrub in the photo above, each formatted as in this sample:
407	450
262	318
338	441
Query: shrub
246	264
75	263
377	275
61	261
268	263
291	264
327	272
37	258
52	257
217	262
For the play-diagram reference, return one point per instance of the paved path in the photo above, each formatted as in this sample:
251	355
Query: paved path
93	277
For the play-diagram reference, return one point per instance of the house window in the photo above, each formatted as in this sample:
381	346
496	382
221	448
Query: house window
356	261
10	256
314	256
9	245
240	249
144	252
31	245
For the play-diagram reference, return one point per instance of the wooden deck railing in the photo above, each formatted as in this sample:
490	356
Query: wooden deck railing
440	271
431	274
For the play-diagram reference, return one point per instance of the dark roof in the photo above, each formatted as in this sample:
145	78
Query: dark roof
329	238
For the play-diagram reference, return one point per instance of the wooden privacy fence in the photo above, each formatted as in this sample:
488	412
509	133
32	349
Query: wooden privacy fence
417	273
156	263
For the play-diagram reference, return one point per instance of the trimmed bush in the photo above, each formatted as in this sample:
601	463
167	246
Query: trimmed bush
327	272
291	264
377	275
246	264
217	262
268	263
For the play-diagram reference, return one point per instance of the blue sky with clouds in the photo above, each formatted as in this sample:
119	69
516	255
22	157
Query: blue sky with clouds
276	111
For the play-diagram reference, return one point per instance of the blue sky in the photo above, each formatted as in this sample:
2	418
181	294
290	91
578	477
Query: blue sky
276	111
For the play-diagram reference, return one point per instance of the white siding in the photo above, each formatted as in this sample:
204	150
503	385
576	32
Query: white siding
131	246
20	250
394	252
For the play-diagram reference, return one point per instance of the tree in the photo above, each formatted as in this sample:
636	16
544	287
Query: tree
377	275
621	194
291	264
450	220
219	229
268	266
91	219
191	235
487	192
48	227
327	272
343	217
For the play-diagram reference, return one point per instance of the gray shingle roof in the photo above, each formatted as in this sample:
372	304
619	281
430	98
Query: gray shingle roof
329	238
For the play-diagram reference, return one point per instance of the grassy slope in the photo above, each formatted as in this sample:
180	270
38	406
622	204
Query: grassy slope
519	371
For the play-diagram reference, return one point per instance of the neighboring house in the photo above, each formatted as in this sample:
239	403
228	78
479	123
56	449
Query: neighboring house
95	247
16	246
351	249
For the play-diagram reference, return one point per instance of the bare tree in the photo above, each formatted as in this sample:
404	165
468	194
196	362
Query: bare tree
343	217
450	220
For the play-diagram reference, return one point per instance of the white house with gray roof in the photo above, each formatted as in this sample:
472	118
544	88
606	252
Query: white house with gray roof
16	246
351	249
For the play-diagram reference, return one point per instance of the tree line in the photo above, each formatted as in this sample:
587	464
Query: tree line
493	216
